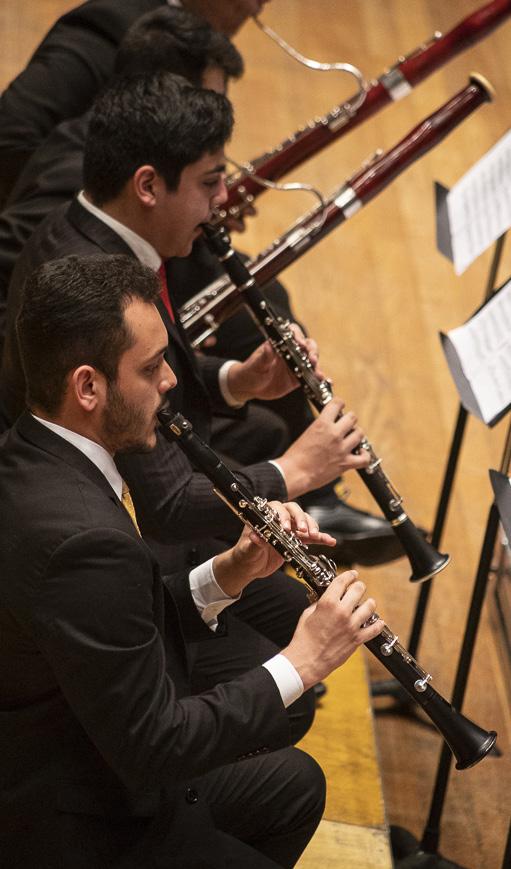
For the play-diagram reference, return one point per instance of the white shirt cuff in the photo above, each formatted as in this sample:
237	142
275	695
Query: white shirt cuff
207	595
286	678
279	469
224	389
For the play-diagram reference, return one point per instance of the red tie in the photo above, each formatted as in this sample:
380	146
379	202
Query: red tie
165	292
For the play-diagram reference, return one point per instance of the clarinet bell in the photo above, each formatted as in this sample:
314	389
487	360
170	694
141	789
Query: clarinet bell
423	569
424	559
468	742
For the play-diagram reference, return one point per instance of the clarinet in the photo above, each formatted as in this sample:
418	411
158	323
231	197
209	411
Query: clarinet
207	310
468	742
424	558
394	84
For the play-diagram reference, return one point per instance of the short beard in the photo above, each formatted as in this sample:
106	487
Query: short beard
122	423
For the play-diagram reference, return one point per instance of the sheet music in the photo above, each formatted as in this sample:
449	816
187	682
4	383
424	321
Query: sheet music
483	346
479	205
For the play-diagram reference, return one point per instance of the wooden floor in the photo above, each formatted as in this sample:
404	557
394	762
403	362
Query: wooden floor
375	295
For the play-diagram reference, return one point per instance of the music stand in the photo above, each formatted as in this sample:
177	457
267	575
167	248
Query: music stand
389	687
424	854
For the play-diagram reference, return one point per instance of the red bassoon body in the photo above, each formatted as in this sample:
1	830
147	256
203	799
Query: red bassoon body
391	86
205	311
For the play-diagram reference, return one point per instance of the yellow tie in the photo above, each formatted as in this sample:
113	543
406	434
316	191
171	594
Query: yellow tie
128	505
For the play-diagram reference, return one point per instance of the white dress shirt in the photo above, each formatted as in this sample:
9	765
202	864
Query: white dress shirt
207	595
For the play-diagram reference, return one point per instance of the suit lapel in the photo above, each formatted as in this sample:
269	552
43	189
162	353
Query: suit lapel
95	230
43	438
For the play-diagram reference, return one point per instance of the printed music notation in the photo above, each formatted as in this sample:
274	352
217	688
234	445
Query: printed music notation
479	205
479	356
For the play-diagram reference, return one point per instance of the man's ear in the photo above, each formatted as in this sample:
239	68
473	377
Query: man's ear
146	183
88	386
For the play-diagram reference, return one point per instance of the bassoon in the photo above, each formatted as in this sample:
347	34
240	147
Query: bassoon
424	558
468	742
205	311
391	86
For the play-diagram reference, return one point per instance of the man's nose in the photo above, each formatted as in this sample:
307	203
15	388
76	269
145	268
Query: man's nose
220	195
168	380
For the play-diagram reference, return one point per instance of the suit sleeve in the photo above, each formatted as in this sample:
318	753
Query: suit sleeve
174	503
52	176
209	367
94	620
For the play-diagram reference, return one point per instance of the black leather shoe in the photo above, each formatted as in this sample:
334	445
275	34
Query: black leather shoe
361	537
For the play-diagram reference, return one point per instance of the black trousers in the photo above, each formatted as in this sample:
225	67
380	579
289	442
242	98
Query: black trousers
259	625
259	813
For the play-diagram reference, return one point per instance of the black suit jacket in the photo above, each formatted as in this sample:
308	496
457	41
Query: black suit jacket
73	61
52	176
173	502
94	712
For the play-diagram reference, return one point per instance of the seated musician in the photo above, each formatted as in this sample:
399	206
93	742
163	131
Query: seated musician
153	172
177	41
73	62
107	758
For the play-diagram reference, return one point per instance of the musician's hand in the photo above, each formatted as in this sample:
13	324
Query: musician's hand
323	451
330	630
263	375
253	558
311	348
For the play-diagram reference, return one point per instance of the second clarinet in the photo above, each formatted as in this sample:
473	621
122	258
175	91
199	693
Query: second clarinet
424	558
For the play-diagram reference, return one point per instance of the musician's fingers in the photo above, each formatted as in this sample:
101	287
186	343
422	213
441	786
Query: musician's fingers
320	538
364	611
255	538
353	439
354	461
372	631
299	334
339	585
353	595
210	341
251	546
292	517
267	354
311	348
333	409
346	423
321	374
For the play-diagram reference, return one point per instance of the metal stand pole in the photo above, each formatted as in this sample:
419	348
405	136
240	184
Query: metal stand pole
389	687
426	853
506	863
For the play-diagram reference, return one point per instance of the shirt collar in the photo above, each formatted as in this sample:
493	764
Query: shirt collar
95	452
144	252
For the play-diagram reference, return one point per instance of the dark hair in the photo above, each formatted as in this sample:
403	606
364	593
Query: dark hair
160	120
72	313
177	41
